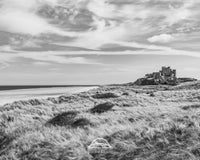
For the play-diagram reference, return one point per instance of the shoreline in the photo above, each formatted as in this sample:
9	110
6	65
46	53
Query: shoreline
20	87
39	93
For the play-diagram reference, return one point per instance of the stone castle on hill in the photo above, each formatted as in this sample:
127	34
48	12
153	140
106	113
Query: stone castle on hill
165	76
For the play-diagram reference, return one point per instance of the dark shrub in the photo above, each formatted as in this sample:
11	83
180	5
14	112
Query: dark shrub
152	94
194	106
196	151
131	120
145	81
67	99
63	119
125	94
126	105
5	141
103	107
49	151
43	150
53	100
81	122
105	95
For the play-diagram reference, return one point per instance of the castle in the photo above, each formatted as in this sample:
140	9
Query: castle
164	76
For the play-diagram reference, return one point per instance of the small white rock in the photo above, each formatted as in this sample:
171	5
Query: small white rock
99	145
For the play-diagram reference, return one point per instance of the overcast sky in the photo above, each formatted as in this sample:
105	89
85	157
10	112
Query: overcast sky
96	41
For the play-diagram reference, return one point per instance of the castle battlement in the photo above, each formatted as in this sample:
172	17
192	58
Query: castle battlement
165	76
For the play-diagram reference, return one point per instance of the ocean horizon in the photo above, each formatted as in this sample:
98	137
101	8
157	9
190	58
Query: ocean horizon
19	87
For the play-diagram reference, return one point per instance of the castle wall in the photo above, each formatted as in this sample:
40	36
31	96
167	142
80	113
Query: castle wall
166	75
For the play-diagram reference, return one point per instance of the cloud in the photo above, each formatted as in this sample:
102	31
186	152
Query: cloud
23	23
24	42
40	58
126	23
144	52
20	17
6	59
6	49
68	34
177	14
4	65
153	50
54	57
162	38
39	63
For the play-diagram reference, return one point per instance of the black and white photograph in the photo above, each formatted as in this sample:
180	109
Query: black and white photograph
99	80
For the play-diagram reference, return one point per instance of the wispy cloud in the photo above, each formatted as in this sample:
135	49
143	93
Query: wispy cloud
20	16
162	38
148	26
138	22
44	58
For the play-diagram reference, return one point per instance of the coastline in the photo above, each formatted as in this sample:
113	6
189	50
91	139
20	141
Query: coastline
10	96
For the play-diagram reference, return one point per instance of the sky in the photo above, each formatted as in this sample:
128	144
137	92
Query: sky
96	41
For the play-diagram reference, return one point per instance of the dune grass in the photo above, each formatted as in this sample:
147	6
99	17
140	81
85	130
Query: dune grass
139	127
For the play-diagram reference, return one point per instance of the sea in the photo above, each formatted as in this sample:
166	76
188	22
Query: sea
10	94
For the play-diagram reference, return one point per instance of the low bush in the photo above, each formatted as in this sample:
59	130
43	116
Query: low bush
103	107
194	106
50	151
63	119
5	142
105	95
81	122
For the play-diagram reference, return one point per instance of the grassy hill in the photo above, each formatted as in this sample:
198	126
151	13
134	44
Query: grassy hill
188	86
140	123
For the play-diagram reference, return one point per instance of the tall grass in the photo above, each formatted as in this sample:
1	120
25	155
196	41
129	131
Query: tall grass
149	128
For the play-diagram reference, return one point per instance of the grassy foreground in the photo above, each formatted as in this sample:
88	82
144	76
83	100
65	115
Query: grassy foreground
144	123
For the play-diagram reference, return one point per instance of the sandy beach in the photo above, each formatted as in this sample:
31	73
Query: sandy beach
39	93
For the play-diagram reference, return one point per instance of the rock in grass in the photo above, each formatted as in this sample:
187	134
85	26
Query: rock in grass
63	119
105	95
98	146
103	107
